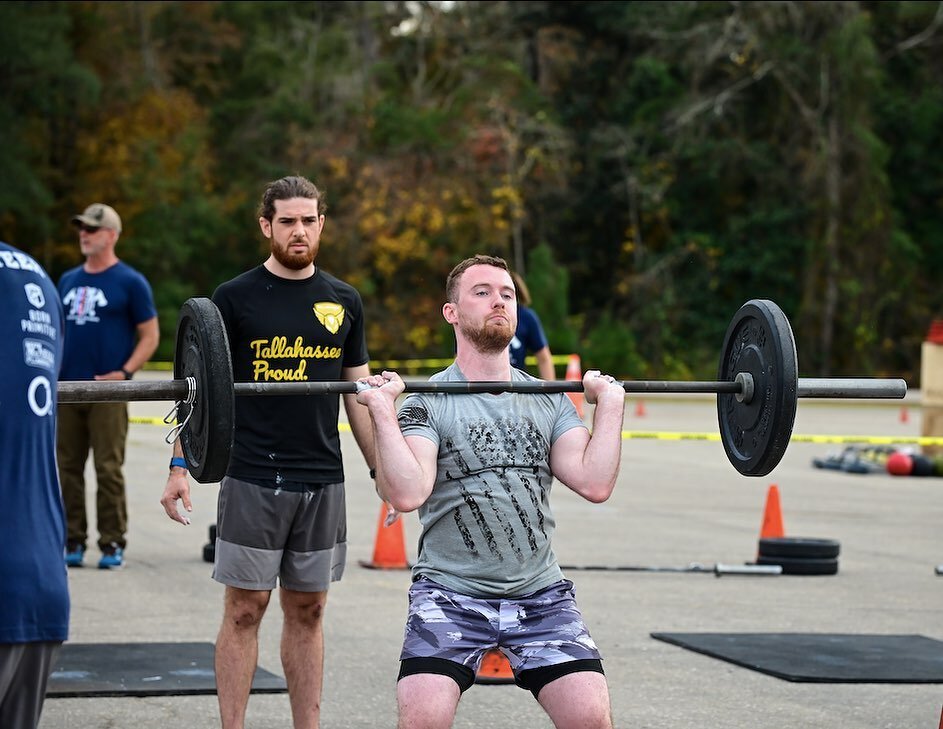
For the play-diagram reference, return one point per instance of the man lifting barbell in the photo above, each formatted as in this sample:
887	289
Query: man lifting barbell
479	468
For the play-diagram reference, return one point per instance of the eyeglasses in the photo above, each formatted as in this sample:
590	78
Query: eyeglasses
89	228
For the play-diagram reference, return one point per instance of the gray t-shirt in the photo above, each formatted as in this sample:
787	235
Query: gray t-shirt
487	527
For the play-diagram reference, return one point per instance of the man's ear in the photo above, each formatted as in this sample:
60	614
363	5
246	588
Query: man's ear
266	226
448	311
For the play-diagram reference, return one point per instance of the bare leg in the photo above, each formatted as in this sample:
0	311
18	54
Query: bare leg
303	654
427	701
578	701
237	652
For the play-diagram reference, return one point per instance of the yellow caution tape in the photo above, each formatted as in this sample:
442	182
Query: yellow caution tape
150	421
160	421
655	435
652	435
872	439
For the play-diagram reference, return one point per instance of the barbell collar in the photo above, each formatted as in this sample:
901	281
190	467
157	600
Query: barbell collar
177	390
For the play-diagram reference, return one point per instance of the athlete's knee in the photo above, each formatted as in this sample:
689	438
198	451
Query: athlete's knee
306	608
575	699
244	608
428	701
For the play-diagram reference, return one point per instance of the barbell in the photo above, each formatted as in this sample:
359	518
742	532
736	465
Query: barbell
757	388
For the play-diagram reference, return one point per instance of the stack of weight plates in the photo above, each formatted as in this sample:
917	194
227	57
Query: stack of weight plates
800	555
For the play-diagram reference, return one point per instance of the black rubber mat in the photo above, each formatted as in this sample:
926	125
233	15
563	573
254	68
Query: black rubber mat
142	669
823	657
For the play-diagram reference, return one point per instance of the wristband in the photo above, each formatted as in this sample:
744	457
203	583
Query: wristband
127	375
178	462
373	473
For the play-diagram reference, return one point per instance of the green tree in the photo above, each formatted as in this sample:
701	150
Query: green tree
41	83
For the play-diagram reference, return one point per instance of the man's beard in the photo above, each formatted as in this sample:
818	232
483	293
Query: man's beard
488	338
294	261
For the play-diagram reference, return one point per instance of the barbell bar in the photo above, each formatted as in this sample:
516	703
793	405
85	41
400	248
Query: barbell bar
757	388
125	391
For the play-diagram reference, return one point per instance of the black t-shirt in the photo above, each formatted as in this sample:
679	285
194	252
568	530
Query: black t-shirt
282	330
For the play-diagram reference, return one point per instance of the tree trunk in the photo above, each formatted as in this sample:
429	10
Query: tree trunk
832	239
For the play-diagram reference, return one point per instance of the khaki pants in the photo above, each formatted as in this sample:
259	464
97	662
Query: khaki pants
103	427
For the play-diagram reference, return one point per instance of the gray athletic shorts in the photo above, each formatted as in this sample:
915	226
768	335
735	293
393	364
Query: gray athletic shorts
537	631
264	535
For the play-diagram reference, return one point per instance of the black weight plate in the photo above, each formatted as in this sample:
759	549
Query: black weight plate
202	352
213	533
800	566
758	341
801	547
923	466
209	552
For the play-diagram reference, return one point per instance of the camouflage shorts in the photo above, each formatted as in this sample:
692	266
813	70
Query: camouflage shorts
540	630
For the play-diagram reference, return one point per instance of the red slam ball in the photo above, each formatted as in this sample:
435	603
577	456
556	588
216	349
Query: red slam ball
900	464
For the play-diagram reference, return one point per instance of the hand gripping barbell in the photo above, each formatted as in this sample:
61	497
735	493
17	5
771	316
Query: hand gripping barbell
757	388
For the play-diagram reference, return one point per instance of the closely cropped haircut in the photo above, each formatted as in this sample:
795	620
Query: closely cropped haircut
287	188
523	293
451	283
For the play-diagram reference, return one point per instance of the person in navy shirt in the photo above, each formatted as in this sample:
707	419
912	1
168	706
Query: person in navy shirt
529	335
34	590
111	331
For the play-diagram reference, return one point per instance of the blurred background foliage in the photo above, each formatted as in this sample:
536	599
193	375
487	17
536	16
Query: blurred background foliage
648	166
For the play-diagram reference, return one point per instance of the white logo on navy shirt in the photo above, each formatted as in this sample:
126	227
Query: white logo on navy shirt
40	408
83	303
34	294
38	354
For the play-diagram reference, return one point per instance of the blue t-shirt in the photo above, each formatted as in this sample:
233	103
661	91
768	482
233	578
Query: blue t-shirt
102	312
34	590
529	336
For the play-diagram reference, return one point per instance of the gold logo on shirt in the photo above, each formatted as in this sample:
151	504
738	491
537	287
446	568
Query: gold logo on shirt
330	314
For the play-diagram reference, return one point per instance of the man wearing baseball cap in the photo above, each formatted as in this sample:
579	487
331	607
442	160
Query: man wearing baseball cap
111	331
98	215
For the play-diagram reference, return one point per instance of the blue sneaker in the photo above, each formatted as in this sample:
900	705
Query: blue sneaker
112	557
74	554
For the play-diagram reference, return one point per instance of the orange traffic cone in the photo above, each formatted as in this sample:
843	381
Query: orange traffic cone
772	516
389	550
640	409
904	415
495	668
575	373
